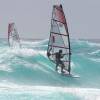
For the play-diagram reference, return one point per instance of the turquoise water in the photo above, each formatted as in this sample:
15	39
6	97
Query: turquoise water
27	74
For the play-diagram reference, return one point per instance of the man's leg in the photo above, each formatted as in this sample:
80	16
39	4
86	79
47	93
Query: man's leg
62	67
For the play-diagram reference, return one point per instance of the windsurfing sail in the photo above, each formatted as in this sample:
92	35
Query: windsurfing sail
59	37
13	36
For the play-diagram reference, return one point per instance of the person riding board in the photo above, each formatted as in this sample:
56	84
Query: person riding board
58	56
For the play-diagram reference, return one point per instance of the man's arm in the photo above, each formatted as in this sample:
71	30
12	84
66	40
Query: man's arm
49	54
67	54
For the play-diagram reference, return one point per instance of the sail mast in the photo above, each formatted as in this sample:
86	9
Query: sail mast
66	27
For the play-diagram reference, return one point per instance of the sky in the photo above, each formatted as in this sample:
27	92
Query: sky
33	17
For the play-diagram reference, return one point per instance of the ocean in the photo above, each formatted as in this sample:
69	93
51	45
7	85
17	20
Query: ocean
27	74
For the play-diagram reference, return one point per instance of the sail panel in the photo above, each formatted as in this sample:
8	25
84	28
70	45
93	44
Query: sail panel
54	27
58	14
58	41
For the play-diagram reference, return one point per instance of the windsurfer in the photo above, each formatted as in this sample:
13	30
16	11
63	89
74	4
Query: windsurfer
59	56
59	50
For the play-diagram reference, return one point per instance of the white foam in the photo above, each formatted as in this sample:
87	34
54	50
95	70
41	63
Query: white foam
23	52
83	93
4	67
34	43
95	52
93	44
95	59
89	43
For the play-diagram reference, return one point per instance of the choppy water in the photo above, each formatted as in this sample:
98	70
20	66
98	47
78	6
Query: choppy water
27	74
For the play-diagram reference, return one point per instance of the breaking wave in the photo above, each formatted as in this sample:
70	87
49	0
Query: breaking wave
27	69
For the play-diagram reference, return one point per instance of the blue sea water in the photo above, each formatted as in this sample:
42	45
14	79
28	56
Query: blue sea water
27	74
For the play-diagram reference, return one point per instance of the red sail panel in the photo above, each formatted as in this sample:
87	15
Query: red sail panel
59	15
